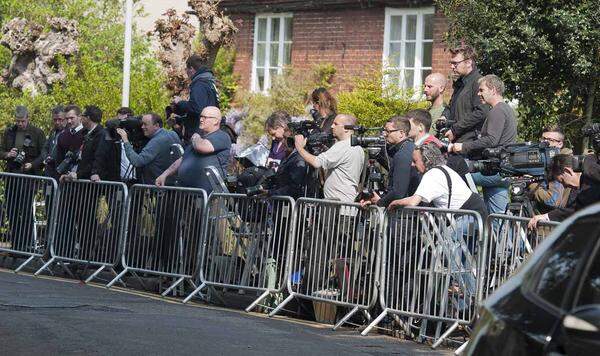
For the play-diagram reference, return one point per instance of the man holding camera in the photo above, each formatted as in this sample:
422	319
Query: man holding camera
342	162
467	112
22	145
585	188
203	93
68	143
21	148
552	194
403	177
156	156
499	129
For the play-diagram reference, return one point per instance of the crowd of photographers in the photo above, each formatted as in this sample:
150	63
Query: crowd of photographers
443	157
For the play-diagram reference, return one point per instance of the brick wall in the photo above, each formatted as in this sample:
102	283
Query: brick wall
351	40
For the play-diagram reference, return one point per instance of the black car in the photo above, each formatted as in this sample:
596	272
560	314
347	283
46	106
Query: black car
552	306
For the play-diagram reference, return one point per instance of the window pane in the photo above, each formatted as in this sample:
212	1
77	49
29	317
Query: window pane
590	290
424	74
396	28
260	76
274	59
409	76
428	27
287	54
273	74
288	29
260	54
262	30
275	29
394	57
427	49
562	261
411	27
409	55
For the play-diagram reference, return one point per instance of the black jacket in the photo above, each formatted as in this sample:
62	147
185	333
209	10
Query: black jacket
107	163
466	108
587	194
91	141
291	176
403	177
48	154
33	153
203	93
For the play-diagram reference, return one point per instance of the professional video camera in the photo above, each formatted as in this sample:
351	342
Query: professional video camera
254	180
68	162
373	180
317	141
442	126
133	126
516	160
359	138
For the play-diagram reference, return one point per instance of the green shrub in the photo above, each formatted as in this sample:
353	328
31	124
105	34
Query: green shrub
373	103
227	80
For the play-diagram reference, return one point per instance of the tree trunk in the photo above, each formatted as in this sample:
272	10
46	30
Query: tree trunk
589	111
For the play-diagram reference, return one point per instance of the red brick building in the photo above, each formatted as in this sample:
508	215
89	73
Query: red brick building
406	35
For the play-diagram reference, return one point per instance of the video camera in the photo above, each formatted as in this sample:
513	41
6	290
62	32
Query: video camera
133	126
443	126
68	162
359	138
516	160
593	132
317	141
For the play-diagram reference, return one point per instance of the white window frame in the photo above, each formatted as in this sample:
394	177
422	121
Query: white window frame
418	68
282	42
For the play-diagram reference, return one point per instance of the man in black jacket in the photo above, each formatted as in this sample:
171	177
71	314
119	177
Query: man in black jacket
585	187
403	177
22	145
203	93
466	110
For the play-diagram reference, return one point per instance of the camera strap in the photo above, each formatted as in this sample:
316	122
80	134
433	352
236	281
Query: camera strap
449	183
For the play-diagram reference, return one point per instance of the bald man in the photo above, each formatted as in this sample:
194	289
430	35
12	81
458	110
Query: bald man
210	147
342	162
435	85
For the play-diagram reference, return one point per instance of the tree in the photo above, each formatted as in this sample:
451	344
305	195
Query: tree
94	74
547	53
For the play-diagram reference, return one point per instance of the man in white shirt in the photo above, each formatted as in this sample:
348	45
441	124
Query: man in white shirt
342	162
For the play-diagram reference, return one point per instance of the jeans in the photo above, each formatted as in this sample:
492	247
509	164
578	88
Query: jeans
495	192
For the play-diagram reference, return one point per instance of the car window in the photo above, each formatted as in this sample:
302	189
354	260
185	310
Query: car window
590	288
562	260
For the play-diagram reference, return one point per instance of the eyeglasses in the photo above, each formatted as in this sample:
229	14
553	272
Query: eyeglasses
209	117
455	63
386	131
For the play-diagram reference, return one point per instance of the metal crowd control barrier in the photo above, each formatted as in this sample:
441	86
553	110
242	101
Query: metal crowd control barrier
164	233
245	244
334	255
430	268
90	224
509	245
26	218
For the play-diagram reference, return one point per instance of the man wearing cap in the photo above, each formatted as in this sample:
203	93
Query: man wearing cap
22	145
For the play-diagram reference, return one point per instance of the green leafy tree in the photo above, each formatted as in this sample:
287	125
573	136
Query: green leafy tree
94	75
547	52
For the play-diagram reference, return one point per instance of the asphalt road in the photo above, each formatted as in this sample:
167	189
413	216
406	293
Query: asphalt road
46	316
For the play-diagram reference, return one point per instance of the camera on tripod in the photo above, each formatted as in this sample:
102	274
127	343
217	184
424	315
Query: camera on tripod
317	141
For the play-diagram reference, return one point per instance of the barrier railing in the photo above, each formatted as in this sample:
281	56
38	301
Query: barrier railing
164	233
334	255
26	221
245	244
430	268
510	243
90	224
